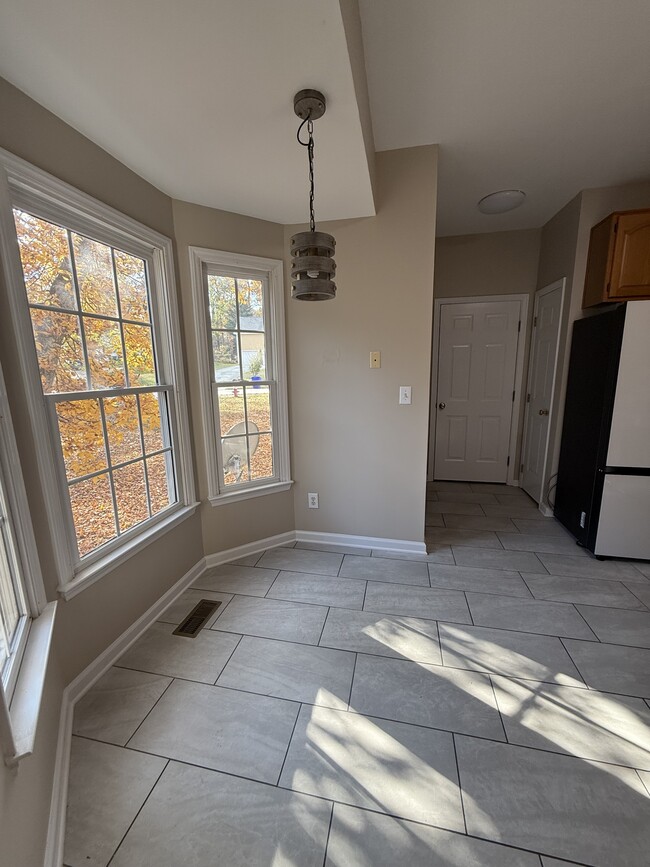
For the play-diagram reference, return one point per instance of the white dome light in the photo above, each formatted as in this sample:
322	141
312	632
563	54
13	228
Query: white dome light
501	201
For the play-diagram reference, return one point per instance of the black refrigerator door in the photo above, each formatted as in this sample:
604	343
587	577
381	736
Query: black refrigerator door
591	386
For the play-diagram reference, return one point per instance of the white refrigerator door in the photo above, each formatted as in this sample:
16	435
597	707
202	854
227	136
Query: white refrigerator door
624	522
629	438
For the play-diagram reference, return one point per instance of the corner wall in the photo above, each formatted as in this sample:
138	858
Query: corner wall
351	443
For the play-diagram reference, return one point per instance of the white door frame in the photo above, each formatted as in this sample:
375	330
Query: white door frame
545	290
519	373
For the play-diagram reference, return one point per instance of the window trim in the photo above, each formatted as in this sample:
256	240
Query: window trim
23	185
273	272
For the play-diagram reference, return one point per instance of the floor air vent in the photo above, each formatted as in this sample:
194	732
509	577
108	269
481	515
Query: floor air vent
196	619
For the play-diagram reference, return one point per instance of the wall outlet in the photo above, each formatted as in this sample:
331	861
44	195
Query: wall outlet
375	359
312	501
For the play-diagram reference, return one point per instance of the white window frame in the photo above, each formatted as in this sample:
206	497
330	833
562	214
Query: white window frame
270	271
21	690
26	187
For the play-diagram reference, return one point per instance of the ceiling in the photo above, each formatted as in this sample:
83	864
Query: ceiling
550	97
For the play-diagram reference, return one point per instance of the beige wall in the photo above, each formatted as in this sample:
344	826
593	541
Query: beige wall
351	442
89	622
226	526
564	250
494	263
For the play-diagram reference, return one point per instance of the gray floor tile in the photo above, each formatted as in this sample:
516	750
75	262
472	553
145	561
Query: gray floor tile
452	507
107	787
222	729
589	567
272	618
643	567
296	560
493	488
539	526
645	779
580	722
543	542
360	838
436	537
432	496
612	667
559	805
513	508
467	497
404	770
333	549
316	675
250	580
200	817
479	522
554	862
433	519
248	560
516	654
589	591
500	581
385	569
181	607
318	590
450	486
160	652
441	555
618	627
434	604
382	634
515	495
426	695
528	615
641	591
116	705
518	561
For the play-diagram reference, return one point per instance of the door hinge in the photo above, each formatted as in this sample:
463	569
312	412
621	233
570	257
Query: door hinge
513	397
521	468
535	322
528	398
508	461
519	326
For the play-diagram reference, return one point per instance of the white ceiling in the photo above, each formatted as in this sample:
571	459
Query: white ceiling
549	96
197	96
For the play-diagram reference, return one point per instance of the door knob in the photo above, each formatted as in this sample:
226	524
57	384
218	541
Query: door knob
543	412
442	405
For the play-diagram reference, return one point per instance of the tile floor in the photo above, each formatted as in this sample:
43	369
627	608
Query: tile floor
486	705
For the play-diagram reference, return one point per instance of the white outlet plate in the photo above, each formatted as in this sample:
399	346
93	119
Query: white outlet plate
312	501
375	360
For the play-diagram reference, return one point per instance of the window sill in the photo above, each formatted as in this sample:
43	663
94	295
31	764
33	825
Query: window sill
26	701
247	493
97	570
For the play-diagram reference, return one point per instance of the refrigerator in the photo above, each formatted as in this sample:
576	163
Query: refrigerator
603	483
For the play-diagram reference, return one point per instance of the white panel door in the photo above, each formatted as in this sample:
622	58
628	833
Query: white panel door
477	357
629	438
541	381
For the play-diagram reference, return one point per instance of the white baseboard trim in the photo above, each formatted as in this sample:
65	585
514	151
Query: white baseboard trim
379	543
249	548
76	689
546	510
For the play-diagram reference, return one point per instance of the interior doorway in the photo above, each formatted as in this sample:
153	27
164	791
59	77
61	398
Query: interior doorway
547	317
476	387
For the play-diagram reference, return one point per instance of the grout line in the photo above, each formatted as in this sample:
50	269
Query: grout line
139	811
365	591
133	734
223	667
468	607
354	671
496	703
286	753
587	622
322	629
627	587
327	839
460	788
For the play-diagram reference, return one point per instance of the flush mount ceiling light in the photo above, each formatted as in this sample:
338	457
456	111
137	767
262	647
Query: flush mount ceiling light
501	201
312	265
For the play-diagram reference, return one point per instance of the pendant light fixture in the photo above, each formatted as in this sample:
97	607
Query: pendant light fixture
312	265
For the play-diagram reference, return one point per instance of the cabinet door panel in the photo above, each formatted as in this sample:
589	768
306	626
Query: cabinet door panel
631	263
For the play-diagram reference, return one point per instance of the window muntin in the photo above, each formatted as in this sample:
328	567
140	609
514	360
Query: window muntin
244	387
90	306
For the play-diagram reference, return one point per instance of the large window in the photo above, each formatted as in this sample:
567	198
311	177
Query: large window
97	291
240	331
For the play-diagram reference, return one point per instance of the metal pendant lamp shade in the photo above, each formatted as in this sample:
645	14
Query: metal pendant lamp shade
312	263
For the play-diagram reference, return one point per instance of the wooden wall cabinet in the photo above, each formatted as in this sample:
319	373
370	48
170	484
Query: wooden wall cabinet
618	265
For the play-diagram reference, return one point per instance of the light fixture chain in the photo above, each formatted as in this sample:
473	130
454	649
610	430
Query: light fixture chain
310	151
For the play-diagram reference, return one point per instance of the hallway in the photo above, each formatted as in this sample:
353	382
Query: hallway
484	706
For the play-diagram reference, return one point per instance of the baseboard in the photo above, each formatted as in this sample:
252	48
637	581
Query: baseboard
546	510
379	543
76	689
250	548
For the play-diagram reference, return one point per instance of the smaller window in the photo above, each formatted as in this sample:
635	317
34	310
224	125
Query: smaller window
240	325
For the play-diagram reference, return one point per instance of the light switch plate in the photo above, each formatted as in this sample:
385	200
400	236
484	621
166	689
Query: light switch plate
405	394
